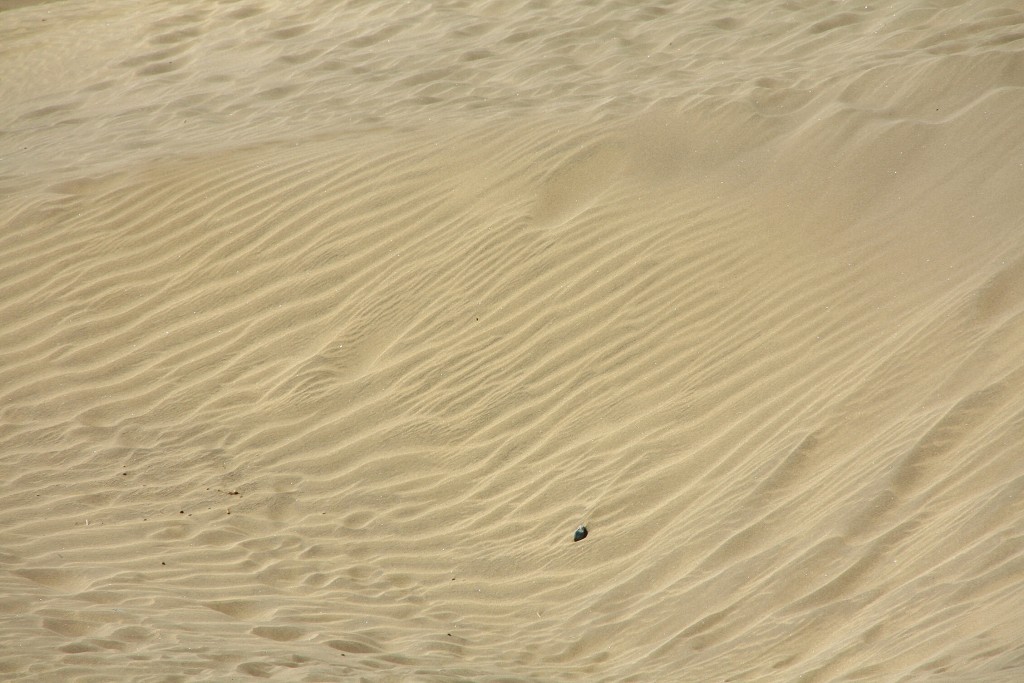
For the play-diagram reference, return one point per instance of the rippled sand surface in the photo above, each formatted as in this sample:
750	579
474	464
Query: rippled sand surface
325	324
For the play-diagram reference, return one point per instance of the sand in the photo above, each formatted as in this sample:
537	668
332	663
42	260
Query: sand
326	324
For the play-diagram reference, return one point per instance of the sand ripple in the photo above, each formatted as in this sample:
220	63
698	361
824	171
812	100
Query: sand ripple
326	324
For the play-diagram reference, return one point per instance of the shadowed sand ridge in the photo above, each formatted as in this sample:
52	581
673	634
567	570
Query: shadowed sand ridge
326	324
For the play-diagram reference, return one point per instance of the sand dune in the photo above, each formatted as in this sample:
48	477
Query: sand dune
326	324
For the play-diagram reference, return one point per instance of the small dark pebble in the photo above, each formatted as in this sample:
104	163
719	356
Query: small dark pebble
580	534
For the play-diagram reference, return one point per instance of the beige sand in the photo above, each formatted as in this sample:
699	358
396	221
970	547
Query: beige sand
324	325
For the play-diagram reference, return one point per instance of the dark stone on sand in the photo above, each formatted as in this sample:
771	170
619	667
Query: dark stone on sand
580	534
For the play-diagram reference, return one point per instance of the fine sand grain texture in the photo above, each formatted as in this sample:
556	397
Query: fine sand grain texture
324	325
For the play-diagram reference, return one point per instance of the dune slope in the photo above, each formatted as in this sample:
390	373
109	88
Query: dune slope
326	324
